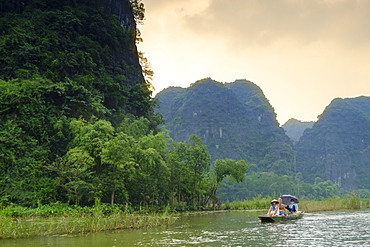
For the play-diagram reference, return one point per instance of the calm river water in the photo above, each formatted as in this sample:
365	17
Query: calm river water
235	228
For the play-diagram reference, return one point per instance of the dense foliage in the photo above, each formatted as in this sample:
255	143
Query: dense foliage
99	162
77	122
76	42
270	184
337	147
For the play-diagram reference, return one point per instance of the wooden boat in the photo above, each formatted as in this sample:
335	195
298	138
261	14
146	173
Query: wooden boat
279	218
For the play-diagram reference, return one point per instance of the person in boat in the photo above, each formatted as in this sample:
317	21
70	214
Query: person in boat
274	210
293	207
282	210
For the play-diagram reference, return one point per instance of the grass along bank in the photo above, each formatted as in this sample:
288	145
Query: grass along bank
61	219
20	222
350	201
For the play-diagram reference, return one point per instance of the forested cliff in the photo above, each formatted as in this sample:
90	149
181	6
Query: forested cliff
78	41
70	82
77	121
337	146
235	120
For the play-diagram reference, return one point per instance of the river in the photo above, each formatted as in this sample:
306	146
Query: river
229	228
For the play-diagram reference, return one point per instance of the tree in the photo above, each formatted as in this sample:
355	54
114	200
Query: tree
138	10
198	160
151	183
75	173
92	137
180	184
228	167
117	155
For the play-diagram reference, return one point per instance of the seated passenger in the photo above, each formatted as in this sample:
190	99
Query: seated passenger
274	210
293	207
281	207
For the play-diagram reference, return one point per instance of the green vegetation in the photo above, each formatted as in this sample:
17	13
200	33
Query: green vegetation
79	137
60	219
349	201
262	184
81	44
77	122
335	203
337	147
115	165
235	120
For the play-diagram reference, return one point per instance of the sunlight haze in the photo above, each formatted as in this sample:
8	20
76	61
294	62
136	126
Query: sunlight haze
302	54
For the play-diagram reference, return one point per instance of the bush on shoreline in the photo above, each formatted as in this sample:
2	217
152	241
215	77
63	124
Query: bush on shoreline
59	219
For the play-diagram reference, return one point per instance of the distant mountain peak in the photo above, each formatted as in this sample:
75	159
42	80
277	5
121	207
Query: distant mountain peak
294	128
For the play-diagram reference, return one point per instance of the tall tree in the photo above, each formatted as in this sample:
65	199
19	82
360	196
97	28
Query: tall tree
198	160
228	167
117	155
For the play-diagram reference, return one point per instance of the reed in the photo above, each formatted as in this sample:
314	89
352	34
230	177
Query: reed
350	201
255	203
11	227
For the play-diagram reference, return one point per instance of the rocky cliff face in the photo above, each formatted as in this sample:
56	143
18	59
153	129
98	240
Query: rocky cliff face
338	145
235	121
121	8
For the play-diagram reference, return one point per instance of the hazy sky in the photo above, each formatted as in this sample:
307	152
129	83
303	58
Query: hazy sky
302	53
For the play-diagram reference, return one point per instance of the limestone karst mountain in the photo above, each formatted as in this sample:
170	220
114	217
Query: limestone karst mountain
294	128
337	147
235	120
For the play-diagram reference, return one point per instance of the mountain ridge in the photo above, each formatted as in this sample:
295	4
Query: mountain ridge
232	124
337	146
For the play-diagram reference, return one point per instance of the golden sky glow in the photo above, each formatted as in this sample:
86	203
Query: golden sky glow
302	53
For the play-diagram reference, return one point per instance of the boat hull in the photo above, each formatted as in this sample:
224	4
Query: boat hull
272	219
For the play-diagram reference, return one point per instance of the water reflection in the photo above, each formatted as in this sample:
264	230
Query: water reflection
240	228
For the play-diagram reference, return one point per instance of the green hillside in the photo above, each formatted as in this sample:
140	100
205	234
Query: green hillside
337	146
76	44
70	82
235	120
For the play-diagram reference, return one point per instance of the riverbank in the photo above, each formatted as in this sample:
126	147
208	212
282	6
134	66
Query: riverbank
37	226
334	203
327	204
60	219
20	222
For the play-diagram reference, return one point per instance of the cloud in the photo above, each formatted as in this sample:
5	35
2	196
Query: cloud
256	22
302	53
